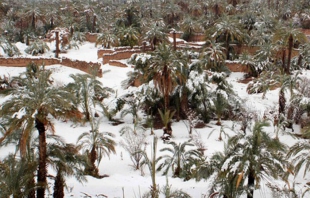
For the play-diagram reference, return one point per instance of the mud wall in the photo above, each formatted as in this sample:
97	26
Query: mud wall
237	67
118	55
91	37
84	66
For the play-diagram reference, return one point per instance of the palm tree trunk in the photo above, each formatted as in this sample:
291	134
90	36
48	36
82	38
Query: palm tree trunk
33	23
216	11
30	187
283	60
42	172
282	102
59	186
174	41
227	48
93	156
290	48
178	169
234	3
251	180
94	23
57	44
165	88
299	61
52	22
219	123
71	31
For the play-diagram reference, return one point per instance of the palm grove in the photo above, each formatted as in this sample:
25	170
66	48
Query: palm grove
175	84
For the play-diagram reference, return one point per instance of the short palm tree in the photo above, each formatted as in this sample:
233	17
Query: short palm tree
37	47
128	36
253	156
298	154
178	158
33	105
96	144
67	161
15	175
88	91
223	97
8	48
107	40
213	56
220	105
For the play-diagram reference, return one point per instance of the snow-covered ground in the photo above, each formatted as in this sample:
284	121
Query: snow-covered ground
122	177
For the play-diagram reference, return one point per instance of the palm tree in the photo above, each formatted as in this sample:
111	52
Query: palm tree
8	48
213	56
107	40
33	106
156	34
220	105
67	161
189	26
171	14
134	103
89	92
96	144
129	17
52	16
166	67
128	36
298	154
16	174
179	156
287	37
223	98
220	183
228	30
254	156
37	47
33	13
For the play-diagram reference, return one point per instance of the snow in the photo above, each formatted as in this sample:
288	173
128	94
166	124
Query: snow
121	175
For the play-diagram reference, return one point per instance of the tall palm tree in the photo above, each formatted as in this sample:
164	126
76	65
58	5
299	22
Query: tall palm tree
156	34
129	17
171	13
189	26
96	144
33	12
33	106
227	29
166	67
287	37
254	156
